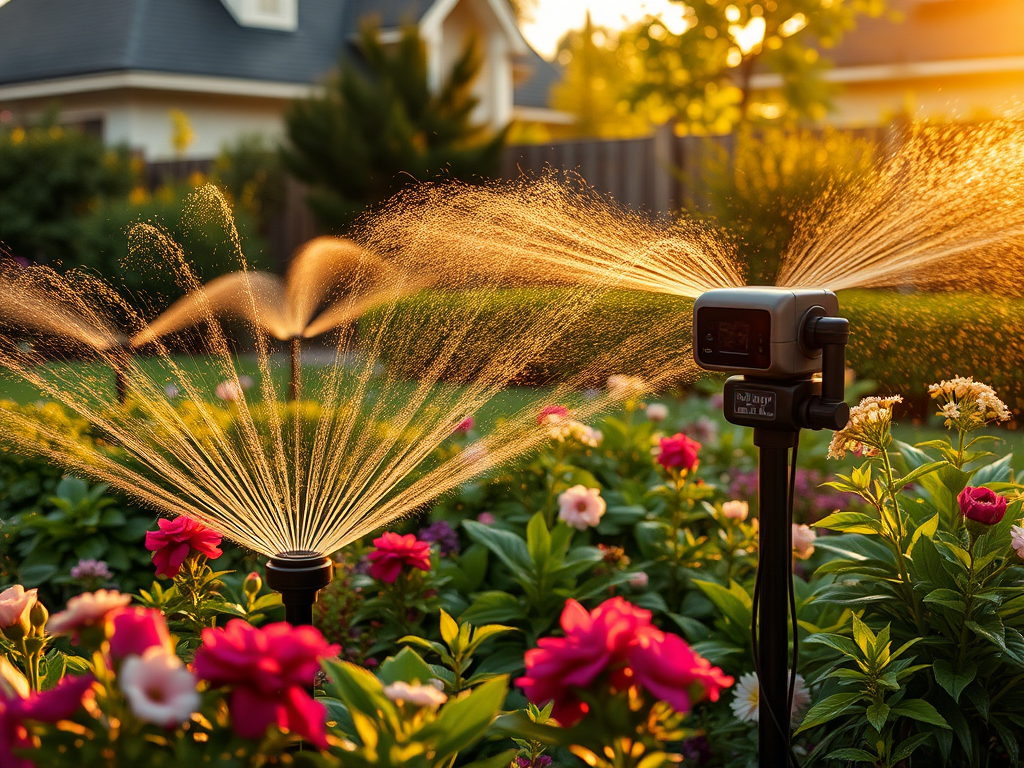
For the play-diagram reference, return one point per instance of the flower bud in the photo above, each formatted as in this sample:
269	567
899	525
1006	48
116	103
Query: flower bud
253	584
981	508
39	616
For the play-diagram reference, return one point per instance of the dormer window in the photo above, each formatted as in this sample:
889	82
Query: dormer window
265	14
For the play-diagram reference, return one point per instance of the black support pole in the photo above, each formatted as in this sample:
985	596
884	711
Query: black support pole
775	566
299	577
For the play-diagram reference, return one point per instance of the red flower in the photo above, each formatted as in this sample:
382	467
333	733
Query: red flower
981	505
594	643
679	451
175	539
136	630
616	647
270	670
51	706
667	668
552	410
465	425
393	552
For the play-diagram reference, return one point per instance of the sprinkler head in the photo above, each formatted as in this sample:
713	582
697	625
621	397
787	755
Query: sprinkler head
299	576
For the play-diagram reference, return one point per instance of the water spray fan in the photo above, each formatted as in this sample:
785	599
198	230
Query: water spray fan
788	349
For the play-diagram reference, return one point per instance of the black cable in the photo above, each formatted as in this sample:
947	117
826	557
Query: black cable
753	619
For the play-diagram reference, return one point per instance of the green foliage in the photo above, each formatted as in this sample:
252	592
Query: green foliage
389	732
250	172
380	127
50	177
757	190
460	642
190	215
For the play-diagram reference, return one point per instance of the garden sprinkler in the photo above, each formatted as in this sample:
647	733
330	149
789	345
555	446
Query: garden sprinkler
777	340
295	386
299	576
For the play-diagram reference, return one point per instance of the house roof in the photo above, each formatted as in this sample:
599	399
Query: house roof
534	90
194	37
929	30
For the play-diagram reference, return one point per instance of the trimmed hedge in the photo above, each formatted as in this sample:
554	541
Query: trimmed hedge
903	341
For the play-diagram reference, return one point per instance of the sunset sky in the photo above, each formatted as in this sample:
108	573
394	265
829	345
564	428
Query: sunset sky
553	18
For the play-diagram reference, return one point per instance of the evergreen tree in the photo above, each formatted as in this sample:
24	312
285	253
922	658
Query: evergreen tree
381	127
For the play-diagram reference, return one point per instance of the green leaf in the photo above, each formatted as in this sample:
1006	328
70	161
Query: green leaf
947	598
461	722
915	474
406	666
850	522
918	709
952	679
877	714
736	607
907	746
538	542
992	631
838	642
489	607
509	547
854	754
449	628
829	709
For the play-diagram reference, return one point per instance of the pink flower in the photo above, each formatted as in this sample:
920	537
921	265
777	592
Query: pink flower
485	518
137	630
158	688
417	695
981	505
465	425
657	411
679	452
394	552
639	580
667	668
51	706
803	541
594	643
15	606
552	413
89	609
269	670
736	510
581	507
229	391
1017	540
176	538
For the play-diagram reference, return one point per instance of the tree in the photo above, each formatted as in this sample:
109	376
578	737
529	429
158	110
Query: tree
597	81
700	66
377	129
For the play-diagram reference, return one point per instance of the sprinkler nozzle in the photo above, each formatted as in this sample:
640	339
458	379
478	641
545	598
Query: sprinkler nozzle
299	577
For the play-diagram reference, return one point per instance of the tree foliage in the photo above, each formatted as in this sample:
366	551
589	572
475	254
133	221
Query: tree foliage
51	176
381	126
698	70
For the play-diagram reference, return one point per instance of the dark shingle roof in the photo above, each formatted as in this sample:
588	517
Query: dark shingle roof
390	14
535	89
197	37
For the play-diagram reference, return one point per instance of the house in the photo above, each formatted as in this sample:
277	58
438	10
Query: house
118	67
959	59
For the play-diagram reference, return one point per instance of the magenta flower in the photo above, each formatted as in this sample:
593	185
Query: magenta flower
615	647
465	425
269	671
981	505
88	610
51	706
557	411
176	538
678	452
394	553
136	630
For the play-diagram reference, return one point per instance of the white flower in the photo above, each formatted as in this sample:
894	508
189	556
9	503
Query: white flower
803	541
657	411
158	688
625	387
584	434
1017	540
969	404
245	382
172	391
736	510
581	507
418	695
639	580
229	391
747	695
867	431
